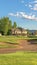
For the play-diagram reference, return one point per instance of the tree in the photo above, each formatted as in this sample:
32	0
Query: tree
14	26
5	25
10	28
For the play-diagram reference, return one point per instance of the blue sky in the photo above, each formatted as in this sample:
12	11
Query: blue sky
24	12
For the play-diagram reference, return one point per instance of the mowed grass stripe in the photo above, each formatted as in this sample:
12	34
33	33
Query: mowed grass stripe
9	39
14	38
19	58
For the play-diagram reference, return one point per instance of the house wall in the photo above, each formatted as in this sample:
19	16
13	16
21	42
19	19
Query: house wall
24	32
19	32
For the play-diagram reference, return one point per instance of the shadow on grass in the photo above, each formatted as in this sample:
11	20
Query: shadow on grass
12	43
33	41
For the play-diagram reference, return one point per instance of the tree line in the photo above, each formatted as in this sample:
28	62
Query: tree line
6	26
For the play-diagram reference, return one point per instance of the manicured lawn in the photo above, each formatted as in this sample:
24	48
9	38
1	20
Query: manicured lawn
19	58
13	39
8	39
2	45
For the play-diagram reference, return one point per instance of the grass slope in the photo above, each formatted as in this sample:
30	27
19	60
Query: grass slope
19	58
2	45
14	38
5	41
8	39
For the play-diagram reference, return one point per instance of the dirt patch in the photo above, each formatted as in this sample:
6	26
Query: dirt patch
27	46
24	45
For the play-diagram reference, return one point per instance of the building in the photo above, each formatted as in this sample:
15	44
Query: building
19	31
35	33
24	32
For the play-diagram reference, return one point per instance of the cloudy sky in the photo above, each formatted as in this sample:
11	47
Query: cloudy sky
24	12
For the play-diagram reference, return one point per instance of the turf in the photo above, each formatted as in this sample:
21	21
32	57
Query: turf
8	39
7	46
13	39
19	58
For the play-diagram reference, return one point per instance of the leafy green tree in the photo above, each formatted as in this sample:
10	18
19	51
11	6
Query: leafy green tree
14	26
10	28
5	25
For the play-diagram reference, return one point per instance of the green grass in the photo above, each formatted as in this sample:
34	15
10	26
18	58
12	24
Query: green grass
7	46
13	39
19	58
10	39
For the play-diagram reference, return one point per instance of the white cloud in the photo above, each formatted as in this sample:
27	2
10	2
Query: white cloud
23	15
30	5
35	7
35	1
12	14
22	1
25	4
